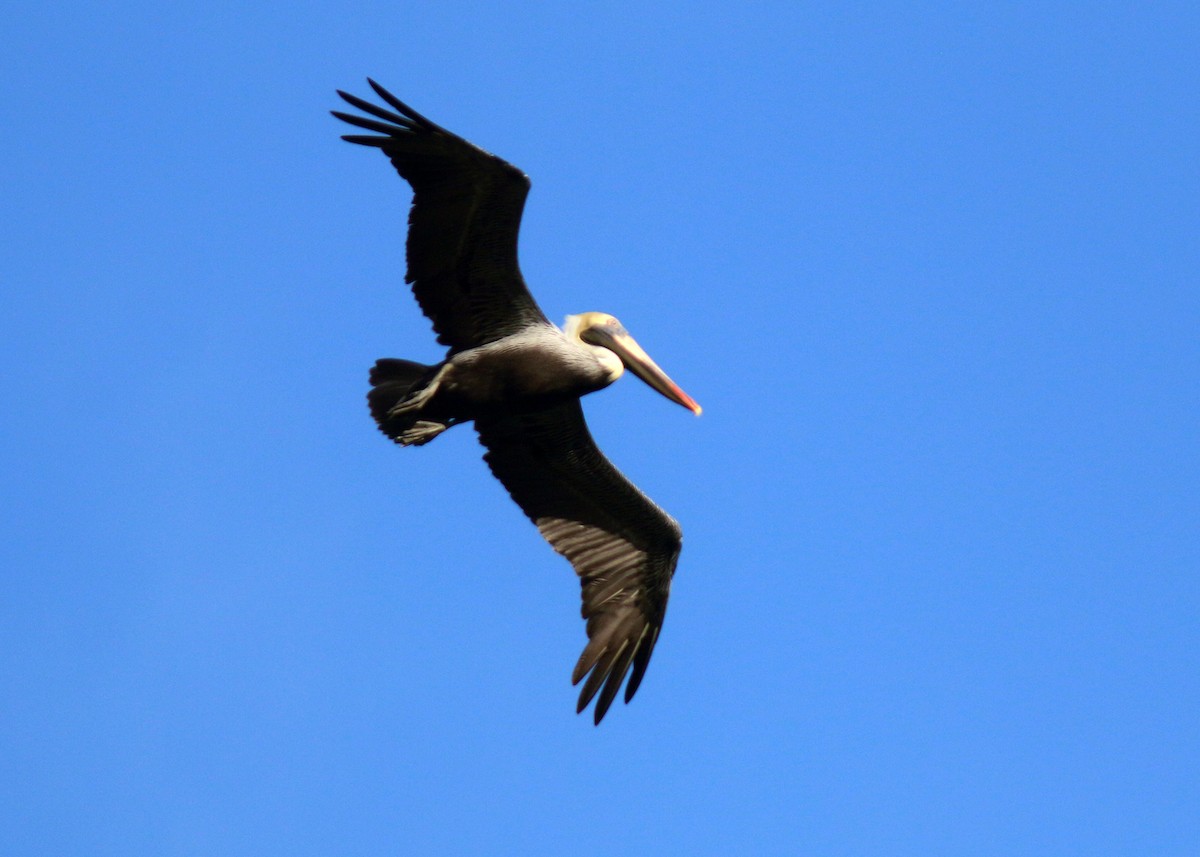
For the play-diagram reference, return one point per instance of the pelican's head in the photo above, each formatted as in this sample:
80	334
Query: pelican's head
605	335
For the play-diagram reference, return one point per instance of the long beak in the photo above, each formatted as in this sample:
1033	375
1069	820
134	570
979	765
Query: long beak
639	363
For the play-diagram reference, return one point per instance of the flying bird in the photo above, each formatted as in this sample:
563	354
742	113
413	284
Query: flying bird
519	378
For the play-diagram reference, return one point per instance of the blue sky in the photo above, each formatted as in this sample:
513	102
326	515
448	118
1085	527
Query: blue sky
931	268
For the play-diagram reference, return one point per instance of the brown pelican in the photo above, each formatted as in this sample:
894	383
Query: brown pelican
519	378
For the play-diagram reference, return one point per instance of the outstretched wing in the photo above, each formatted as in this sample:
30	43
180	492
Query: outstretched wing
462	229
622	545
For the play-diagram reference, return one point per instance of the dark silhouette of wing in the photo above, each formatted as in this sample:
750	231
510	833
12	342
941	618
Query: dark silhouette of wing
622	545
462	229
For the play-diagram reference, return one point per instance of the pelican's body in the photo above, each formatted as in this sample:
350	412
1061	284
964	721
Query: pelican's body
539	366
519	378
532	369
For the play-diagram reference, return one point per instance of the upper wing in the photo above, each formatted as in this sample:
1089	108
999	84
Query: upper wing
622	545
462	229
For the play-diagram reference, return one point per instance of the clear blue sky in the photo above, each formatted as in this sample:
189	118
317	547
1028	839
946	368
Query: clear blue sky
932	270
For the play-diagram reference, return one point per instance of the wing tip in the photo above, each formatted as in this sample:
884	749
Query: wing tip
365	140
609	670
396	103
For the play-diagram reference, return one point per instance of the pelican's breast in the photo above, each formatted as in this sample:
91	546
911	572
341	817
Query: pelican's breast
535	364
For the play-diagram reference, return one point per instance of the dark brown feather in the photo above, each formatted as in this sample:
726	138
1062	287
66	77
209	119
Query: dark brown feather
623	547
463	225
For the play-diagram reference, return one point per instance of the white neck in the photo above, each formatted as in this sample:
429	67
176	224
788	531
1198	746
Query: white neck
610	362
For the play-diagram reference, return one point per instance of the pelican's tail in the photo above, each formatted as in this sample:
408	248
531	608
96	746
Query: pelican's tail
395	401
